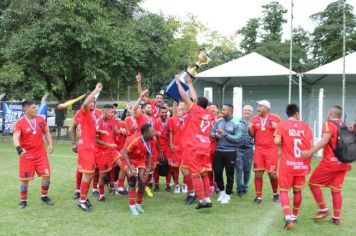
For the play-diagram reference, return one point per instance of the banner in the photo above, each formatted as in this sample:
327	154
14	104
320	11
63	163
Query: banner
12	111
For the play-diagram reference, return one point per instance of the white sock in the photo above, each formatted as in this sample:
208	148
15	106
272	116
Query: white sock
288	217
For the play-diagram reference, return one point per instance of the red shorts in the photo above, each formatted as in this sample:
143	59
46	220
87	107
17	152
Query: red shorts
286	182
29	164
175	160
200	162
86	160
135	163
104	159
266	159
324	176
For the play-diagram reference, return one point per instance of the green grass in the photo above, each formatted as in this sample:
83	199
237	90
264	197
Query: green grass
165	213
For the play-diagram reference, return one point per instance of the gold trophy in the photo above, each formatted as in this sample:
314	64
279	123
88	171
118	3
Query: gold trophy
172	89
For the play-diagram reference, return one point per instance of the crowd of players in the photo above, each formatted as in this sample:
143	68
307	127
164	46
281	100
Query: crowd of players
196	141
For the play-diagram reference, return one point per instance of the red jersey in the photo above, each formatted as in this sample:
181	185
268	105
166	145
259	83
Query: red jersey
120	138
328	154
32	131
131	125
176	125
155	108
264	131
144	119
197	129
136	148
77	116
88	124
109	126
296	136
162	133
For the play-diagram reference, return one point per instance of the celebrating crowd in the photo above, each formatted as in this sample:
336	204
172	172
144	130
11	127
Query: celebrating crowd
191	138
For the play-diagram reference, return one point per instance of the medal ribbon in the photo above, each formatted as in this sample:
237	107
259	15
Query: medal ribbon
33	127
263	121
149	150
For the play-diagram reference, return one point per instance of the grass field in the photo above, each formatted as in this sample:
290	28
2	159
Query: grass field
165	212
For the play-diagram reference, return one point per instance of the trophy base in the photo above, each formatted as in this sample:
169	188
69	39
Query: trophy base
172	90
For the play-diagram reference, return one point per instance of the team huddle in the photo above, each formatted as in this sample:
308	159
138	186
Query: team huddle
194	140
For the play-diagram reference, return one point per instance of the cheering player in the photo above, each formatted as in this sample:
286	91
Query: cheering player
196	142
262	128
28	140
293	136
330	172
86	154
137	165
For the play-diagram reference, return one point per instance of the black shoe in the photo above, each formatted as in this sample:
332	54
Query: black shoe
22	204
276	197
191	199
122	192
209	204
101	199
156	189
76	195
47	200
288	225
112	191
257	201
89	203
168	188
95	193
239	194
85	206
203	204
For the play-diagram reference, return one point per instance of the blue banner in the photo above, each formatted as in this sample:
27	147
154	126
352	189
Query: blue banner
12	111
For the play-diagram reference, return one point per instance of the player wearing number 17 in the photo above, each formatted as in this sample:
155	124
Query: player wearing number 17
293	136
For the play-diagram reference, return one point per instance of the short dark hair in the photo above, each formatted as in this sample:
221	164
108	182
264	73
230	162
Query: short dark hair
158	94
230	106
108	106
292	109
163	107
214	104
202	102
145	105
145	128
115	105
27	103
338	113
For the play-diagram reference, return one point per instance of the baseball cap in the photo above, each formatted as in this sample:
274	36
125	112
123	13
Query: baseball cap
264	103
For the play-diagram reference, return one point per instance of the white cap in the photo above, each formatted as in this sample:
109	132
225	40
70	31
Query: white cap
264	103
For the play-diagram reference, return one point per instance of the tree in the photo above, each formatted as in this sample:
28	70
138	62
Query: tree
249	35
272	21
327	37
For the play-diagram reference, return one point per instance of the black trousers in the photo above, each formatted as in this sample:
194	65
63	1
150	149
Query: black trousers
224	160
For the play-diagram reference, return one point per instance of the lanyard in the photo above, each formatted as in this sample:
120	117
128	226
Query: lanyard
94	118
164	126
263	122
149	150
104	123
33	127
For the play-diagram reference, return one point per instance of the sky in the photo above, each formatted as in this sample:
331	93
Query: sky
227	16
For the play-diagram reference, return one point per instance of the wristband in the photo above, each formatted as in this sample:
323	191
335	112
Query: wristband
19	150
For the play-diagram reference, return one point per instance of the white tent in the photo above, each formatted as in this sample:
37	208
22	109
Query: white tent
331	73
249	69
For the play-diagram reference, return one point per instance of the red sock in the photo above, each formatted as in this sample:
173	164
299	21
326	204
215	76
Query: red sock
96	179
318	196
258	186
206	185
132	196
45	188
274	184
149	180
84	188
156	176
120	182
112	178
337	203
101	189
140	198
211	178
285	202
176	175
23	193
297	201
169	177
189	182
78	177
198	187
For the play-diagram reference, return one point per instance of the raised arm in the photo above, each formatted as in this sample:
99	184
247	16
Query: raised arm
89	98
139	83
183	94
135	111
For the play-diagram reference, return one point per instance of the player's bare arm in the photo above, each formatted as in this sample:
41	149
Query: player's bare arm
325	138
16	141
183	94
73	135
48	138
89	98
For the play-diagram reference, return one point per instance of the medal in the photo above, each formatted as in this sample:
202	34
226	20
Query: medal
33	127
34	132
263	122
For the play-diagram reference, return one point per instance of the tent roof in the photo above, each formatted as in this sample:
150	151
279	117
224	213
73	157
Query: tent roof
332	72
252	68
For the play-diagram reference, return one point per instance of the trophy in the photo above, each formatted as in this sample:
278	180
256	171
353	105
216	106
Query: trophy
172	89
69	103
